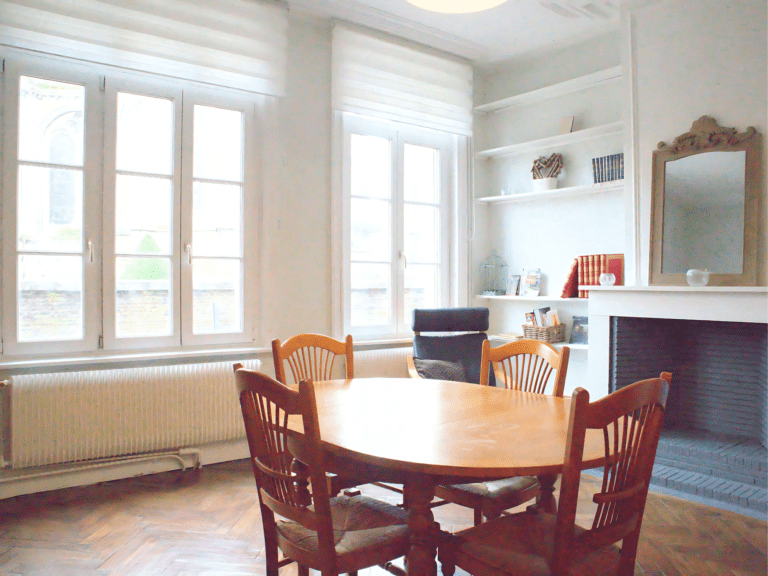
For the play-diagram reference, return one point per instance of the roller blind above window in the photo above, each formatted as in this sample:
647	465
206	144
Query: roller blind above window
394	80
233	43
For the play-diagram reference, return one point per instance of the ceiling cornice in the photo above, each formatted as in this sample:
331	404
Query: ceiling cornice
364	15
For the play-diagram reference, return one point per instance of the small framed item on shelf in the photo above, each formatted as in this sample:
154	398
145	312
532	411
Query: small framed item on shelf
530	318
513	284
579	332
530	283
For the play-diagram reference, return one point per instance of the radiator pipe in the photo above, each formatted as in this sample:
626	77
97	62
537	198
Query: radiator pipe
114	462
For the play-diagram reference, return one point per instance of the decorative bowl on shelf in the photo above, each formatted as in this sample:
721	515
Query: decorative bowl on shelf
607	279
697	278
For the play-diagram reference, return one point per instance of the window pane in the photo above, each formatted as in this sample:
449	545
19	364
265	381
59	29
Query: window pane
371	294
218	142
420	174
216	296
51	121
144	134
216	219
421	289
371	230
143	215
50	217
421	233
371	166
50	298
143	296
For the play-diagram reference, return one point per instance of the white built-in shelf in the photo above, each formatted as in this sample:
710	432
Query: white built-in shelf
533	298
554	141
615	186
555	90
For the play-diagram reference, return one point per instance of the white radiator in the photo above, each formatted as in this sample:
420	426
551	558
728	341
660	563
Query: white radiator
387	362
75	416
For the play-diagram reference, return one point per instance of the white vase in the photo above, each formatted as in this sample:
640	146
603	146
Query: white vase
697	278
544	184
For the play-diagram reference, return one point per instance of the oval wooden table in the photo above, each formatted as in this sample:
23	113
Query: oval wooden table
424	432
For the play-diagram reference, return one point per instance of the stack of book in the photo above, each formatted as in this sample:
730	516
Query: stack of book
608	168
586	271
543	317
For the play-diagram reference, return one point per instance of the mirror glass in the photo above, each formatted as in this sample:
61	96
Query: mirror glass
704	213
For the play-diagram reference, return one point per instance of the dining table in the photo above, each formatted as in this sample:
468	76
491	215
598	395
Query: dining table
421	433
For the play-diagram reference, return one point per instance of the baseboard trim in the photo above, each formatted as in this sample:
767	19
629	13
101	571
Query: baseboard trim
43	479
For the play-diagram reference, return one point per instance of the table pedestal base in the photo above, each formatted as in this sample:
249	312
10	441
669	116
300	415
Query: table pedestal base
418	493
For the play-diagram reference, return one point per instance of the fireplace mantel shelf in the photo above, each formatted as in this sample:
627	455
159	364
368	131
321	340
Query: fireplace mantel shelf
691	289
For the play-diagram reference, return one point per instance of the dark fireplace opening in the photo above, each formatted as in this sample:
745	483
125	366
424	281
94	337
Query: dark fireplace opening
716	427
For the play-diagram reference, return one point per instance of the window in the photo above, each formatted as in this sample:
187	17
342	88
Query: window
169	165
397	209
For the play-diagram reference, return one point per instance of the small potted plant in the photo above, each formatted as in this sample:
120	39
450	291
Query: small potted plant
545	172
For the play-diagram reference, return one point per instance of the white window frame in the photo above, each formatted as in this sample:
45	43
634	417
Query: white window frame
113	86
249	213
41	67
102	83
346	124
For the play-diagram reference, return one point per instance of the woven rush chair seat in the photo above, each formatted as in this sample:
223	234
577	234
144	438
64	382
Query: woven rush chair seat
522	544
360	526
492	497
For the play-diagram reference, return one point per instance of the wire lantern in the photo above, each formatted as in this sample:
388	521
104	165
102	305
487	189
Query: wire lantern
493	272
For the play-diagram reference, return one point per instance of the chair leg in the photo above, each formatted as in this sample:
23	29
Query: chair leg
353	573
447	568
303	570
627	556
270	551
478	516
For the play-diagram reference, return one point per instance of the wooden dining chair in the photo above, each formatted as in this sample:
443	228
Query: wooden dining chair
311	357
542	544
332	535
528	366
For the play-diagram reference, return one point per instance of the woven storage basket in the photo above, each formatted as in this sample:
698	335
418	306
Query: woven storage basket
550	334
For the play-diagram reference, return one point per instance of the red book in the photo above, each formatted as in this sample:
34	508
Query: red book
571	287
582	275
615	265
603	265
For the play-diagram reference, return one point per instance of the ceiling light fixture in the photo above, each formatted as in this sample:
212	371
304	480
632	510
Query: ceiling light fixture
456	6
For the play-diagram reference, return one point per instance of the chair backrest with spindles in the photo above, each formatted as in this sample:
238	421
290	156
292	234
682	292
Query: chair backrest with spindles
311	357
527	365
283	481
630	420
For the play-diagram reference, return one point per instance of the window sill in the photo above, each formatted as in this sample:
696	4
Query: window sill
110	360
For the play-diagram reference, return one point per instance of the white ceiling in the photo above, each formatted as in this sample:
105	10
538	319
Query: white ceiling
514	29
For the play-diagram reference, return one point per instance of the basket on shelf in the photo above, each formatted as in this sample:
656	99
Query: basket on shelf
548	334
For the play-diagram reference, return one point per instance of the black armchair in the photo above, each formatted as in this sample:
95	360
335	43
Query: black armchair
458	353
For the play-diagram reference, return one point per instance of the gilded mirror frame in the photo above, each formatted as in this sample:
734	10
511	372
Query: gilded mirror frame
706	136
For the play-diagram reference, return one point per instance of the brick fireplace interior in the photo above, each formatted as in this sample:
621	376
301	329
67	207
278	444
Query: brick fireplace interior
716	429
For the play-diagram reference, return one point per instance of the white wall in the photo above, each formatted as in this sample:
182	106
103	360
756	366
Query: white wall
297	219
692	58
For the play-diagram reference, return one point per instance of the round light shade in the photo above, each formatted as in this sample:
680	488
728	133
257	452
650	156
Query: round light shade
456	6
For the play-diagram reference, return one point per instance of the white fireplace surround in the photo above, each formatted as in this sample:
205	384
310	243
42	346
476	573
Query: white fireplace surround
726	304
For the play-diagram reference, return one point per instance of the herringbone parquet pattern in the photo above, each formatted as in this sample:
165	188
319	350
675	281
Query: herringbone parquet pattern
208	523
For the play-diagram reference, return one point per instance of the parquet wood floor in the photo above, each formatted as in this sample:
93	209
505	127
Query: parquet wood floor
208	522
